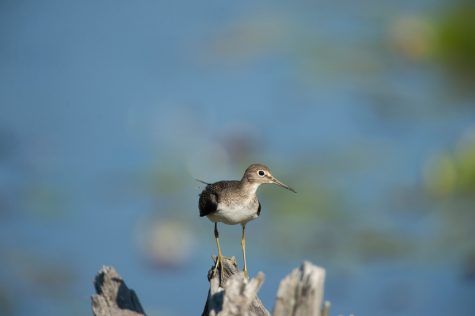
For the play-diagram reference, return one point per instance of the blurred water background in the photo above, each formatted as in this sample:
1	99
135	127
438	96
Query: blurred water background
110	109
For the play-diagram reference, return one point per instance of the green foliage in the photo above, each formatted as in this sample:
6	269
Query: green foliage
456	38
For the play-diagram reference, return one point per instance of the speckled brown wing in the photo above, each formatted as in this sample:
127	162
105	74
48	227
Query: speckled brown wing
210	197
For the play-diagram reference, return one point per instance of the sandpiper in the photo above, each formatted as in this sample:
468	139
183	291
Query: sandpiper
235	202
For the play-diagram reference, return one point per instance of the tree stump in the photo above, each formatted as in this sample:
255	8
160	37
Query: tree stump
300	294
113	296
238	296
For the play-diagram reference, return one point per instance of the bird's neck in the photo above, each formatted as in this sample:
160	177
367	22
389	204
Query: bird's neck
249	188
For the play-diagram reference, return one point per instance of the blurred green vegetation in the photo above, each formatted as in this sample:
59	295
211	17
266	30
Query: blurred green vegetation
450	183
451	175
456	38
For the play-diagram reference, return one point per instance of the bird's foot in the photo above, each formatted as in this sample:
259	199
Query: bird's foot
218	263
219	266
224	257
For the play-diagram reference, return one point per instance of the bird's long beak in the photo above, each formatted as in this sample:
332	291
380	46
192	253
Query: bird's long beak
274	180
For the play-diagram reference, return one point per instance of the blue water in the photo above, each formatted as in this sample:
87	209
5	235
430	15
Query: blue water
108	110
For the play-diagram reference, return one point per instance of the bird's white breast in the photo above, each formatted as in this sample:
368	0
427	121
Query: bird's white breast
234	214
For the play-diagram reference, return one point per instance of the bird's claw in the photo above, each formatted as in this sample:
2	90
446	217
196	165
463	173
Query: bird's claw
246	275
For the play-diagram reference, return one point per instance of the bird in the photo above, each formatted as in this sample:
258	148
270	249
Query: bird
234	202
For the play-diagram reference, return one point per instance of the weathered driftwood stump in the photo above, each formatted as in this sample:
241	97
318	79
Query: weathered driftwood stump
238	296
300	294
113	296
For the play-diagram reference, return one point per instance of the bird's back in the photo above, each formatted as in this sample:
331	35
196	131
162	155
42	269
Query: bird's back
212	195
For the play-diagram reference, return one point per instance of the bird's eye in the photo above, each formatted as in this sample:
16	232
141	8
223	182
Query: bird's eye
261	173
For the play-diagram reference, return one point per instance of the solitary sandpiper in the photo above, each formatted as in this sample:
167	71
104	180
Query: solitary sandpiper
235	202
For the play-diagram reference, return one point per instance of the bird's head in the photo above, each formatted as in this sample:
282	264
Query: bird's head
260	174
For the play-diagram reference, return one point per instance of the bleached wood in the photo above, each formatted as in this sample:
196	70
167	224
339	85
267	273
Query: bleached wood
113	297
238	296
301	292
231	294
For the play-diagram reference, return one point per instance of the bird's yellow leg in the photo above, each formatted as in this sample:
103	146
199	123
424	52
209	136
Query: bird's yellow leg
219	259
243	246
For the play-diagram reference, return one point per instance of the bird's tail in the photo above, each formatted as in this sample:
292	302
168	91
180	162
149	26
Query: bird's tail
202	181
